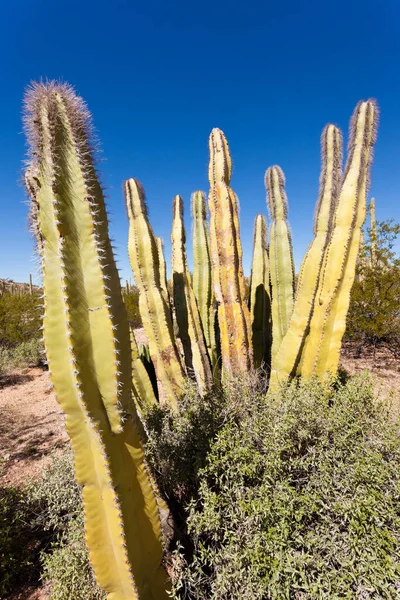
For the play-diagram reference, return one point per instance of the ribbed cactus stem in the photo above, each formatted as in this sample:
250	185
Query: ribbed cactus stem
287	358
202	271
153	306
88	349
260	298
372	218
163	269
187	314
280	256
226	255
322	349
145	396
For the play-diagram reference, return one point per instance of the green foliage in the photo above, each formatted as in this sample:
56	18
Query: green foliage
20	318
25	354
131	300
19	545
374	314
299	498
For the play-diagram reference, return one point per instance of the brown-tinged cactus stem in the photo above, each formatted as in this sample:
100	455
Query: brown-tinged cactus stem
226	253
187	314
153	306
281	263
322	349
88	349
287	358
260	298
202	272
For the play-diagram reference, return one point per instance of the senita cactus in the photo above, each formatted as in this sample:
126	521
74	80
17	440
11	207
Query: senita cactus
187	314
280	256
226	255
322	348
287	358
88	348
260	297
153	306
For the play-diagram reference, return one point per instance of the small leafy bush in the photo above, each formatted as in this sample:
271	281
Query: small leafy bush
25	354
299	498
20	318
131	300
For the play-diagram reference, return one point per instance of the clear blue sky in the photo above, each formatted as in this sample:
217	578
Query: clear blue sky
158	76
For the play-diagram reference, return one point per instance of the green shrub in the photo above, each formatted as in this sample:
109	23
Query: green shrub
25	354
132	308
20	318
19	546
299	498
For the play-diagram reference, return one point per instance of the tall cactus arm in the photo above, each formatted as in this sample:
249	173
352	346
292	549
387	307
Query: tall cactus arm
187	313
145	396
228	279
155	312
322	349
372	234
288	356
87	345
280	256
163	269
260	299
202	272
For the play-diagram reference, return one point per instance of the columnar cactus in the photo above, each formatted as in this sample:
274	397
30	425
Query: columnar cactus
372	236
163	269
328	322
226	255
260	297
155	312
280	256
187	314
87	344
287	358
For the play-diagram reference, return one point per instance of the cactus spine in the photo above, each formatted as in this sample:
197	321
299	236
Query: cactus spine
226	254
322	349
154	310
288	356
280	256
202	272
88	349
187	313
260	298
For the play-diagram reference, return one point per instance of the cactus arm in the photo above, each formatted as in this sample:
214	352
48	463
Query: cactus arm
372	217
202	272
288	355
122	523
260	299
280	256
163	270
322	349
153	307
145	396
187	313
228	280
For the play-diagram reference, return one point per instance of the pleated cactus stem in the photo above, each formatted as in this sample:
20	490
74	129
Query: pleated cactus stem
187	313
322	349
153	304
372	232
87	344
288	356
260	297
280	256
226	256
202	272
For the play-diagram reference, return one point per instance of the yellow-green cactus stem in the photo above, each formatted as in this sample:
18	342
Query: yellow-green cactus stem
372	235
226	253
163	269
260	298
328	322
202	272
153	306
87	345
281	263
287	358
145	396
187	313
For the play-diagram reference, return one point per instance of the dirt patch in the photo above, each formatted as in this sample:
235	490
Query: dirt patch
31	426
